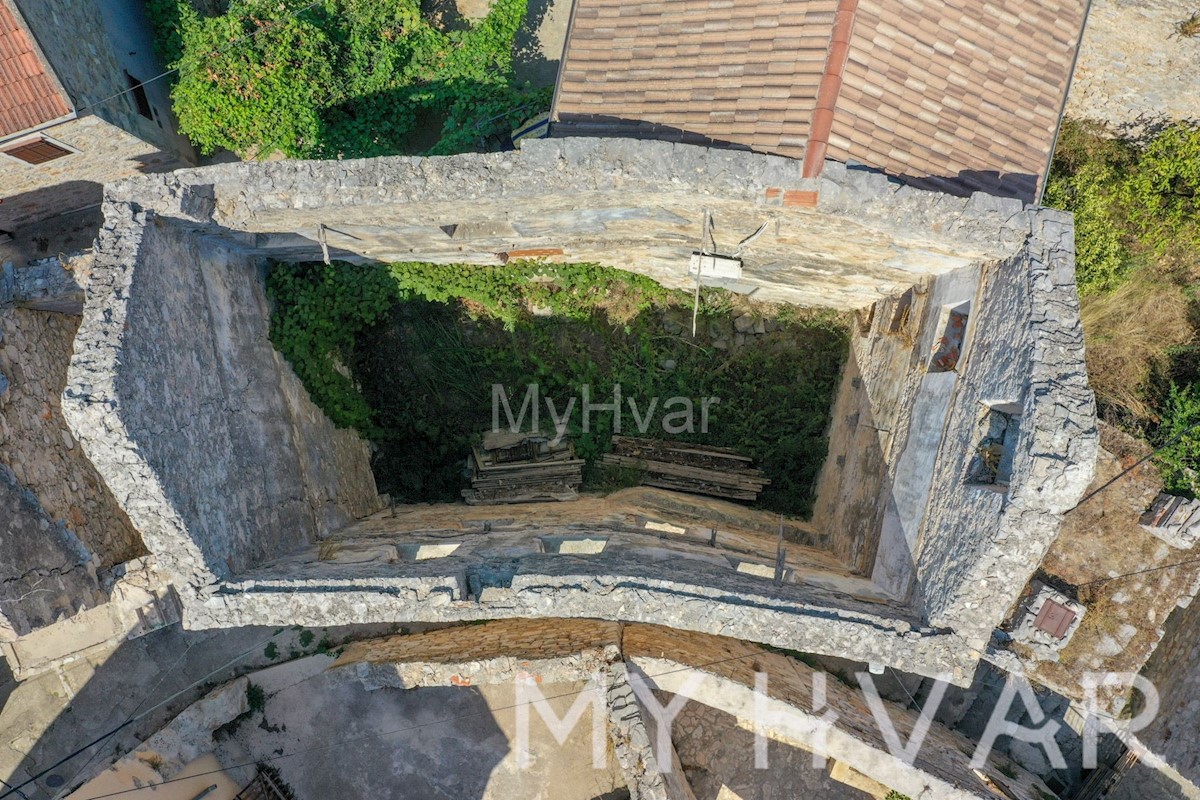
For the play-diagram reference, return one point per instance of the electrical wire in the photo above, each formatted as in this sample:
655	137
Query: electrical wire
1169	443
132	719
173	70
382	734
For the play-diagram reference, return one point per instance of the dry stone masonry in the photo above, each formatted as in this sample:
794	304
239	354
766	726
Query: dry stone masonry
231	475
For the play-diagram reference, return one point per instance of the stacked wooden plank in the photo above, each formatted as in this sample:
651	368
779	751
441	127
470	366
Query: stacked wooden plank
714	471
523	468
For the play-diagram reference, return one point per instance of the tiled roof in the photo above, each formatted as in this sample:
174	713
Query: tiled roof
29	96
957	94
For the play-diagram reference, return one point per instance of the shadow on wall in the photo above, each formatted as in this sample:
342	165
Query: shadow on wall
105	695
602	125
50	201
1022	186
853	487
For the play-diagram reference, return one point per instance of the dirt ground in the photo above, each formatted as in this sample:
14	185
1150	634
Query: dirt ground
1100	543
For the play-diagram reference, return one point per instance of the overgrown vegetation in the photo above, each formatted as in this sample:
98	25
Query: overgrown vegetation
340	78
1137	258
409	354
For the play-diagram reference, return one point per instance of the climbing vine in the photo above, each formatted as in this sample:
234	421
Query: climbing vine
410	353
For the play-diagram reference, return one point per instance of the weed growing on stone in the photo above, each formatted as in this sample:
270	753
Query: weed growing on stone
1188	28
256	697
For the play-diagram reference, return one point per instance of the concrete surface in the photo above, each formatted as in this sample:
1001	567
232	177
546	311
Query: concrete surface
540	41
47	717
440	743
718	756
202	775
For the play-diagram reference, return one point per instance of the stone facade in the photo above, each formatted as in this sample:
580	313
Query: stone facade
46	572
110	139
980	543
36	444
103	153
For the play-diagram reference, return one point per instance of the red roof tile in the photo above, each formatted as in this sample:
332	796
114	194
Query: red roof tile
29	96
950	94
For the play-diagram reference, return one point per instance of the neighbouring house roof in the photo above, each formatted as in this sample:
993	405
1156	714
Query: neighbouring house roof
955	94
29	95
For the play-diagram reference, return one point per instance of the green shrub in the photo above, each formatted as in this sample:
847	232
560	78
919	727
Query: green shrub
408	353
1162	192
253	79
318	311
342	78
1179	436
1131	203
1087	171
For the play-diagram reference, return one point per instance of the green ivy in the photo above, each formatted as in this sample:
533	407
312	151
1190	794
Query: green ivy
318	311
342	78
408	353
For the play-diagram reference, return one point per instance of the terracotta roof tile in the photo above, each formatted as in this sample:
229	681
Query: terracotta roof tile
942	91
28	95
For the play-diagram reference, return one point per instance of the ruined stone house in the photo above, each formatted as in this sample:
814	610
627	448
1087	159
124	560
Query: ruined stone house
962	432
946	478
74	111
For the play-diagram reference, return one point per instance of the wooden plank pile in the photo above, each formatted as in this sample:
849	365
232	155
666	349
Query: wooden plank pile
714	471
522	468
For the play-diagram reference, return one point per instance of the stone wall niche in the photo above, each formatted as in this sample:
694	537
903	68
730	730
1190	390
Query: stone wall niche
952	335
999	429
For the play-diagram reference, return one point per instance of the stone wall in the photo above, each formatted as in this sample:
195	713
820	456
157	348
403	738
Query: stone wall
204	432
47	284
110	140
36	444
723	675
214	447
632	204
979	544
46	572
571	650
33	192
